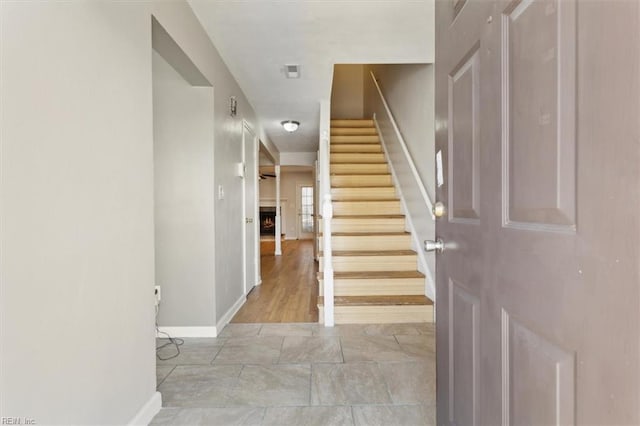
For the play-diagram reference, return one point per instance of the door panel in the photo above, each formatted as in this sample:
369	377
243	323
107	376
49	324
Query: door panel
538	78
463	355
463	139
538	289
251	215
538	378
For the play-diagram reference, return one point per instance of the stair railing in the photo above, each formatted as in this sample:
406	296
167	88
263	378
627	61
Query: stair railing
421	219
327	215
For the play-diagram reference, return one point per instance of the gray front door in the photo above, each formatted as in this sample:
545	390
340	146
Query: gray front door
538	289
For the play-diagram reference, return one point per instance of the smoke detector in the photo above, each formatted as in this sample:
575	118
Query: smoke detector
292	70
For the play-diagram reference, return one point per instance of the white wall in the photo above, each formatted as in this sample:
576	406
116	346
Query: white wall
180	22
76	313
184	198
347	91
409	92
289	182
298	158
77	249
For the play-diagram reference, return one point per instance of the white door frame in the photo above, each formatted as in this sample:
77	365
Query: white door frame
250	282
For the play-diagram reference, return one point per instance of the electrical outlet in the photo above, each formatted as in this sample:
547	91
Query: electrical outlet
157	294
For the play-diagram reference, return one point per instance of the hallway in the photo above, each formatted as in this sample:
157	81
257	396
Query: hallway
289	289
285	369
294	374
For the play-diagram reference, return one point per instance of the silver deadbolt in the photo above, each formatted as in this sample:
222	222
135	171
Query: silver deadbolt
249	220
438	209
437	245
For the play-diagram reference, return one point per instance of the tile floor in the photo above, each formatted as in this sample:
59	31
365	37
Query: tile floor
302	374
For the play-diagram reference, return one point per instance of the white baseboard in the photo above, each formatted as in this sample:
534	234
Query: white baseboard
224	320
204	331
148	411
188	331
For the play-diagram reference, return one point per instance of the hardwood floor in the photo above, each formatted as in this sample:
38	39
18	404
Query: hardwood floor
289	289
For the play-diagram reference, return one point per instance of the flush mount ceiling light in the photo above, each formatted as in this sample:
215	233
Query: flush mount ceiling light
290	125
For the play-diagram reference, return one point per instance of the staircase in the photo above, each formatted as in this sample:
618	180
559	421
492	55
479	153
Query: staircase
375	270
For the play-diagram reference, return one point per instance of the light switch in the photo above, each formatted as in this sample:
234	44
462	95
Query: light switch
220	192
240	170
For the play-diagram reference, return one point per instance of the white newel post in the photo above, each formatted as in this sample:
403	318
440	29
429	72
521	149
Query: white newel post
327	214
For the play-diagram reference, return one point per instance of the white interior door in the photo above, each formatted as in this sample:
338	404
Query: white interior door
251	216
306	207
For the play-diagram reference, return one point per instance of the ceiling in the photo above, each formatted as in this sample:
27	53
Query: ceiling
256	38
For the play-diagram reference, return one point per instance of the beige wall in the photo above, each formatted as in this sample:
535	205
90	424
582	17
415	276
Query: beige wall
409	91
180	22
77	212
289	182
347	91
184	198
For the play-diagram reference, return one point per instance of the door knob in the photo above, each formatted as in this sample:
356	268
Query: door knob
437	245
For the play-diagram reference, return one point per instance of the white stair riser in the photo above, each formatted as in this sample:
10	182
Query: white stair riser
360	180
345	208
369	242
372	263
363	147
380	314
376	287
366	225
355	139
352	123
342	131
359	157
381	193
359	169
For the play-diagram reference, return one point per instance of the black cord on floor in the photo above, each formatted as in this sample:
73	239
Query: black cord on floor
177	342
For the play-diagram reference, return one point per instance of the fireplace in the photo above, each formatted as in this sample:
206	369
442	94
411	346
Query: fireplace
267	221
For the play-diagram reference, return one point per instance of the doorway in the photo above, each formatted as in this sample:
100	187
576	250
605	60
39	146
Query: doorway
289	288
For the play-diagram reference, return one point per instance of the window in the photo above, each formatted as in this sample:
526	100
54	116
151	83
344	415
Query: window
306	208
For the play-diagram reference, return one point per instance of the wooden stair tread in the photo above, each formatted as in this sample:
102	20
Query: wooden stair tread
355	174
366	200
346	122
385	216
347	160
354	142
353	130
367	234
372	253
362	187
377	300
356	152
374	275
